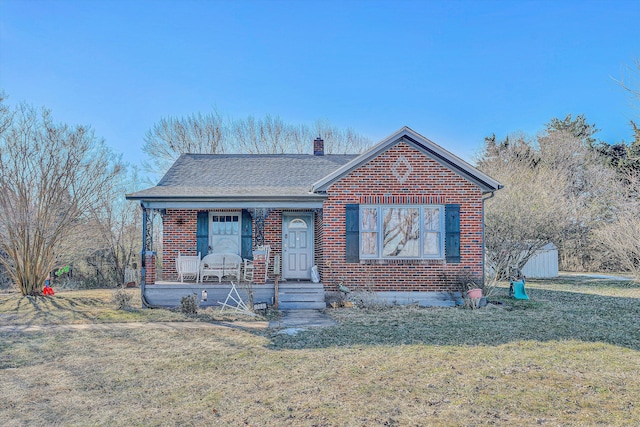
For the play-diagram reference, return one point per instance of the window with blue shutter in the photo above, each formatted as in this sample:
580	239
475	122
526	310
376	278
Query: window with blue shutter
352	221
202	233
452	233
247	231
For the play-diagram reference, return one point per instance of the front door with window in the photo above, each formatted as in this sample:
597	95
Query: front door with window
297	245
224	232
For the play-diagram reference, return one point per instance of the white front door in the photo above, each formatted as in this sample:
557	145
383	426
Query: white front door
224	232
297	245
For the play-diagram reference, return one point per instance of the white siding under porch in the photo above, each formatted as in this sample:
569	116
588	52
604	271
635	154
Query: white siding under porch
168	294
292	295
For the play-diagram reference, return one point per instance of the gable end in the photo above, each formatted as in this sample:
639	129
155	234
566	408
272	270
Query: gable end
429	148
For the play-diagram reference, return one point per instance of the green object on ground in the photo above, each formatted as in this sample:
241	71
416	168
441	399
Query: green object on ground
63	270
517	290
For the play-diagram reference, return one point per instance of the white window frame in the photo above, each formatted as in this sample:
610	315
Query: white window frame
380	232
225	213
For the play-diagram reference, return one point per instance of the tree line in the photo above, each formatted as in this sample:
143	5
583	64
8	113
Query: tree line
213	133
564	187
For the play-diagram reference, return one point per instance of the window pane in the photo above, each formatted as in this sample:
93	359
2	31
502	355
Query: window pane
401	232
369	219
225	244
432	219
431	243
369	242
297	223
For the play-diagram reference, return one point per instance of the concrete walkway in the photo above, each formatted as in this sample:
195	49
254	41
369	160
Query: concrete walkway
294	321
134	325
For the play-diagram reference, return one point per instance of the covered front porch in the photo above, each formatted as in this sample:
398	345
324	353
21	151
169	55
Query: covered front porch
275	245
291	295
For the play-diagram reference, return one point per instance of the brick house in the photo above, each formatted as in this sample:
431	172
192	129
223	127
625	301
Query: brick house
400	220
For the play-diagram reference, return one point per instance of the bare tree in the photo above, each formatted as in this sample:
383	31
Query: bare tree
557	190
630	81
212	134
528	213
621	238
336	140
270	135
117	225
50	177
172	136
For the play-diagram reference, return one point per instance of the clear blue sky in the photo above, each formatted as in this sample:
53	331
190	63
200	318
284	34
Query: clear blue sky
454	71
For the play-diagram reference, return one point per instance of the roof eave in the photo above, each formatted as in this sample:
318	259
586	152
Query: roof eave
237	198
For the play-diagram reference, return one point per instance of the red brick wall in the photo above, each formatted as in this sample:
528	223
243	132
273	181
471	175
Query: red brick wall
178	235
150	268
375	182
272	237
318	256
372	183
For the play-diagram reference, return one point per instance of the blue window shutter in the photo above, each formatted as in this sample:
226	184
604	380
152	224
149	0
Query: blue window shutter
452	233
247	232
352	222
202	233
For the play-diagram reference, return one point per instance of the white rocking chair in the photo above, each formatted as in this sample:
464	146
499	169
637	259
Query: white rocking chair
188	267
248	265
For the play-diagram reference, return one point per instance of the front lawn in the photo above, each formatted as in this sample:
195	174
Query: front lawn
569	356
92	306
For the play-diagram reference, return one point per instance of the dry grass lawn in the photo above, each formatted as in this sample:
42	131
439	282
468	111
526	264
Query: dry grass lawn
569	356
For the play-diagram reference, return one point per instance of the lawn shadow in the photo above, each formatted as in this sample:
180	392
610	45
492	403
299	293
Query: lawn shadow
43	310
550	315
71	305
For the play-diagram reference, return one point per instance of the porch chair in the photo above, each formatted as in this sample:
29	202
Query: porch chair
220	265
248	265
188	267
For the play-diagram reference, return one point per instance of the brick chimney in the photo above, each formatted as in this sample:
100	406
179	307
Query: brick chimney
318	147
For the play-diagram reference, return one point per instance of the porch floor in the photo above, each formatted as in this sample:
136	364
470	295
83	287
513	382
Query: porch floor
291	294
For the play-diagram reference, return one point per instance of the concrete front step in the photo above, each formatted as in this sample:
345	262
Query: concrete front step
302	305
300	296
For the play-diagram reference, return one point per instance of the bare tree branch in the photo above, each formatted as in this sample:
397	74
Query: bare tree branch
50	177
213	134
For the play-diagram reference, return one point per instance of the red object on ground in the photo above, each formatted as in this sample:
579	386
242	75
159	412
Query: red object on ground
48	290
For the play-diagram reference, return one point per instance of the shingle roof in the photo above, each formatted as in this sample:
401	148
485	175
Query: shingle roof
287	176
263	175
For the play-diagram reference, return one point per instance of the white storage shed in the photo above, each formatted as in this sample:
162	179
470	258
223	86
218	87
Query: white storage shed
543	264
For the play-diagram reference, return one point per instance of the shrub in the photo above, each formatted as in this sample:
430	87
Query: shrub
189	305
122	299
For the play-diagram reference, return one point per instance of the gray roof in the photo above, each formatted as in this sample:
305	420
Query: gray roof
299	177
256	175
